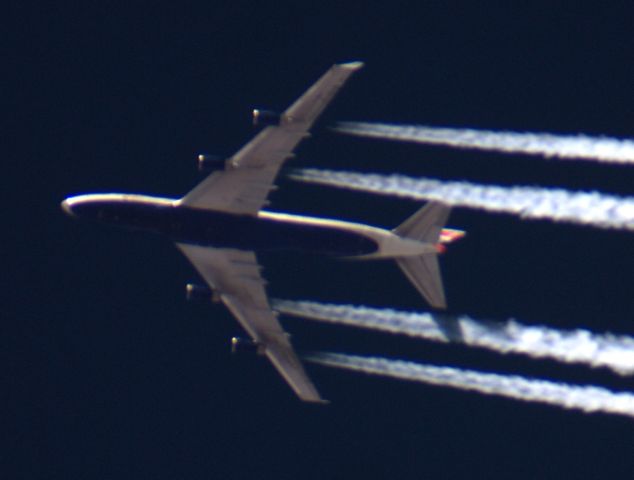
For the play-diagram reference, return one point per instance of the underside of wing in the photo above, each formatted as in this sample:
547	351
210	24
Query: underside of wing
235	276
244	185
283	357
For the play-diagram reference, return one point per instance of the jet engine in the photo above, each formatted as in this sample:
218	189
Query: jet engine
200	292
210	163
240	345
265	117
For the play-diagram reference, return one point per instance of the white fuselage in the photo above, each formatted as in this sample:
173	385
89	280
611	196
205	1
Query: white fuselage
123	208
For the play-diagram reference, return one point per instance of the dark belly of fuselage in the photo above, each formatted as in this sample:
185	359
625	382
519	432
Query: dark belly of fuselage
244	232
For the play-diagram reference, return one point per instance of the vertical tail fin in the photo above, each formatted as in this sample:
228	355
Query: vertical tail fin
423	271
426	224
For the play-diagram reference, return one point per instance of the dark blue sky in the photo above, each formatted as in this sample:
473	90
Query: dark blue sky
108	373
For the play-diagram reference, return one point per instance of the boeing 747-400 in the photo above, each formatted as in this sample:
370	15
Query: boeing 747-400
221	223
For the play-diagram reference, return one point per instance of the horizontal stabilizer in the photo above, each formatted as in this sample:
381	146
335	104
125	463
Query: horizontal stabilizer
426	225
424	272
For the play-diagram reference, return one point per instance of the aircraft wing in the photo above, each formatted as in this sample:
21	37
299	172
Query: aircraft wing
235	276
243	186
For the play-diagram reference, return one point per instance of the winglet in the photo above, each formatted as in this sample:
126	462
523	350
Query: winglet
352	65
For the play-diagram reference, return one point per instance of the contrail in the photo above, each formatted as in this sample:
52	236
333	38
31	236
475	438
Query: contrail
587	398
600	149
585	208
567	346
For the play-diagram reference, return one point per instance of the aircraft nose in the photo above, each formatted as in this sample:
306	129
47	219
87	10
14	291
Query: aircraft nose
68	210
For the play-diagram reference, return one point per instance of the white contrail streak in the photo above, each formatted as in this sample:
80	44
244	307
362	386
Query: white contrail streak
572	346
585	208
600	149
587	398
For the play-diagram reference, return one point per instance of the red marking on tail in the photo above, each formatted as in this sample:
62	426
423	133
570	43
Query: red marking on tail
440	248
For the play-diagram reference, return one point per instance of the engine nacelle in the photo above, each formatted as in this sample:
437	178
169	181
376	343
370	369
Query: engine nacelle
200	292
240	345
265	117
210	163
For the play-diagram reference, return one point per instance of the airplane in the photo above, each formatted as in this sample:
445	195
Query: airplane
220	224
